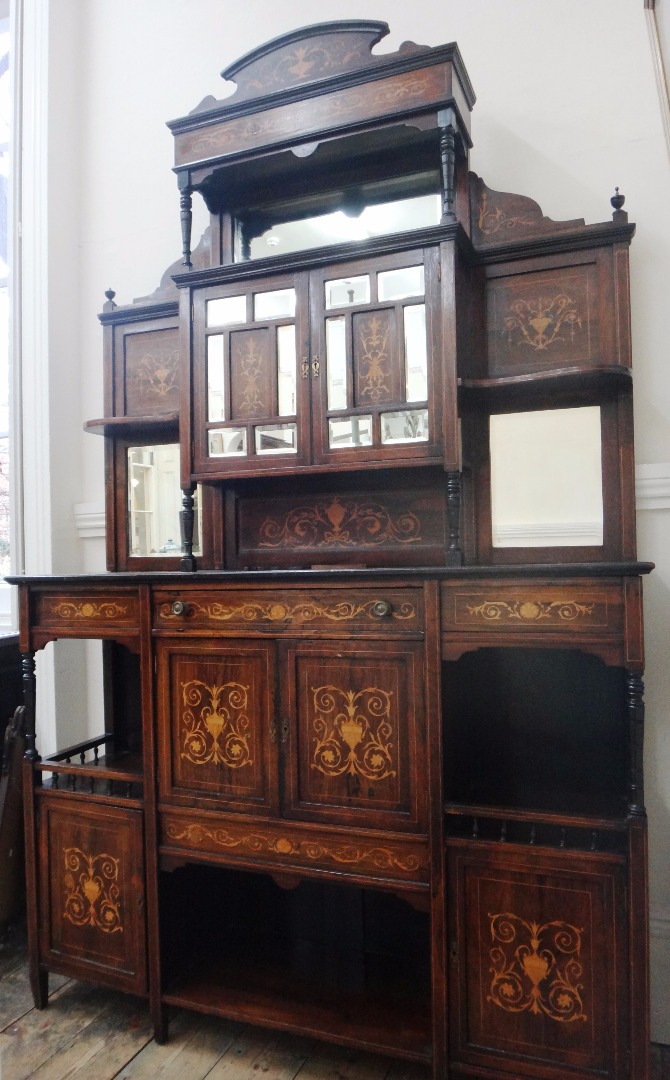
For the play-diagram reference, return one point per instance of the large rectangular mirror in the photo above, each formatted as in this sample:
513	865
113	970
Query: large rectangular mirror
154	502
546	478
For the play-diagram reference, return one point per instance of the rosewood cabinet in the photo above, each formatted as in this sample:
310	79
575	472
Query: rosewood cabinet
371	766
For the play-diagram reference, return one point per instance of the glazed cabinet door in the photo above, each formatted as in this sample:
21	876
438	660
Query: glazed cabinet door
217	730
92	894
251	376
538	963
355	744
375	377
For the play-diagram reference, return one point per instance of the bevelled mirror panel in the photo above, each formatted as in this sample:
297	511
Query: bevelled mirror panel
546	478
154	502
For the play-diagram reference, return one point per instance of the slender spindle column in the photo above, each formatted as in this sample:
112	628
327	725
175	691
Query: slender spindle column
635	708
454	549
187	521
186	217
447	123
28	676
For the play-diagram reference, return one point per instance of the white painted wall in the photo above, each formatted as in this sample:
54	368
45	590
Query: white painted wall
567	109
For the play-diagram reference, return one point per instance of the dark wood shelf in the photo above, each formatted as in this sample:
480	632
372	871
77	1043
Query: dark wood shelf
526	389
120	426
263	993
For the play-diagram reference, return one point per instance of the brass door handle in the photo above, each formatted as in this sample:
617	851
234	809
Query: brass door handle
316	367
304	367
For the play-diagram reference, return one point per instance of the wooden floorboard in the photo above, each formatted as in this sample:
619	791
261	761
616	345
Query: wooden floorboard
87	1033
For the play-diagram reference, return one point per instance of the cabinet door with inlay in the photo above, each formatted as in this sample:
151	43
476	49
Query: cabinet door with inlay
355	748
218	734
92	891
538	962
375	379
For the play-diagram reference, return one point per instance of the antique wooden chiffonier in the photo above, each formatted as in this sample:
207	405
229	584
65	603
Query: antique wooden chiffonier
371	763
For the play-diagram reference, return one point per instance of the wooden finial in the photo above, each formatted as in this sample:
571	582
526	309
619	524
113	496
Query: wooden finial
617	202
110	305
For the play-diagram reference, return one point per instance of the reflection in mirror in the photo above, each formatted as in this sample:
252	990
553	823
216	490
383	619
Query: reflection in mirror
403	426
277	304
226	310
416	357
397	284
227	442
216	385
343	291
276	439
286	370
380	219
336	362
154	502
546	478
350	431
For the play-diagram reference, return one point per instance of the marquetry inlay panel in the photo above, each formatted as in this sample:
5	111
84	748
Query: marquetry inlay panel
540	957
536	968
251	362
91	887
375	347
215	724
290	610
286	844
340	523
216	713
151	372
351	105
87	611
354	732
569	609
543	320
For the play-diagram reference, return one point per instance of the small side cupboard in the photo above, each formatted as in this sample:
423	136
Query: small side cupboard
372	759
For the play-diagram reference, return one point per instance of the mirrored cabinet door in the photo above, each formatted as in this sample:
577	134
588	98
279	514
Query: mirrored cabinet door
251	376
373	368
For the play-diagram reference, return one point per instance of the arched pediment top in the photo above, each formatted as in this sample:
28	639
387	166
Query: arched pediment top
309	55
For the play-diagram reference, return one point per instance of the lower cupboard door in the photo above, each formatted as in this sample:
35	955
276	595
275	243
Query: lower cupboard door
92	892
538	963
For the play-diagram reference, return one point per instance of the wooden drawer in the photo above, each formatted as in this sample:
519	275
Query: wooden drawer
366	611
530	607
84	613
287	846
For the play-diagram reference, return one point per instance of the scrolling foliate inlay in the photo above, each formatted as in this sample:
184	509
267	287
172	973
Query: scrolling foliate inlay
251	366
538	323
86	609
493	219
530	610
340	523
158	374
536	968
354	732
92	895
374	335
357	853
216	727
276	611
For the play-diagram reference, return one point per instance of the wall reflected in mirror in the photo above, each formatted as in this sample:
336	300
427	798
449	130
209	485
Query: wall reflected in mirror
546	478
154	502
341	226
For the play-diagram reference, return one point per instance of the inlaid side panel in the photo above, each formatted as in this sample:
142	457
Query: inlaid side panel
151	365
92	891
401	527
217	723
251	370
538	971
355	720
543	320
